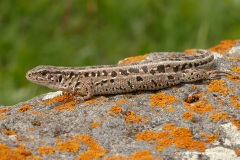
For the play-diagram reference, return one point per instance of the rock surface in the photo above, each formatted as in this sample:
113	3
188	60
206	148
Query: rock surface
193	121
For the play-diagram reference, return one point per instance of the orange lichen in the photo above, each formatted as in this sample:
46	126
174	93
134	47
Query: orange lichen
234	100
95	124
179	136
9	132
211	138
235	79
94	151
161	99
143	155
60	98
4	110
31	129
121	101
3	117
224	46
183	139
116	109
69	106
168	126
233	58
92	101
219	86
46	150
190	51
25	108
218	115
39	113
236	69
131	117
199	107
236	123
188	115
68	146
139	155
133	59
237	151
194	97
203	134
6	153
149	135
159	148
170	109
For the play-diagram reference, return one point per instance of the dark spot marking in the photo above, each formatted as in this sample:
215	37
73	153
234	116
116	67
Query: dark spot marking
161	69
93	74
105	73
168	65
128	83
164	59
184	66
170	77
123	72
44	72
155	83
175	69
190	65
114	74
204	62
196	64
104	81
145	69
86	74
133	70
111	80
177	59
152	72
138	78
71	74
60	78
98	74
77	83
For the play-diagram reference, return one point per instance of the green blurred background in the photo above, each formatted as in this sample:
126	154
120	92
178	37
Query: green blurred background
91	32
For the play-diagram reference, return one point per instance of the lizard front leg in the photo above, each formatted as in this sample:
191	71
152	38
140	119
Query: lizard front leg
88	93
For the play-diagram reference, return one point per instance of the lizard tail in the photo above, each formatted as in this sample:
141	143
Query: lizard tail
217	74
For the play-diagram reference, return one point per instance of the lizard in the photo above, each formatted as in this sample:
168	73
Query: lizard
86	82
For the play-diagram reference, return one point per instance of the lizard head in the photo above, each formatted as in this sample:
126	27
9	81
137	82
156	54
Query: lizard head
45	75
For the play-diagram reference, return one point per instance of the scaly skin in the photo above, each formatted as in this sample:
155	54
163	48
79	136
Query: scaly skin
86	82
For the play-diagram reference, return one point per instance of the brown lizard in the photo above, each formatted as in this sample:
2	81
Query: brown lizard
85	82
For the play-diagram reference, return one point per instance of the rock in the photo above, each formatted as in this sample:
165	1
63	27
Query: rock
192	120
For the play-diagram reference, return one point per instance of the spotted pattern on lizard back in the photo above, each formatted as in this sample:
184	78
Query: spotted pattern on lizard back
86	82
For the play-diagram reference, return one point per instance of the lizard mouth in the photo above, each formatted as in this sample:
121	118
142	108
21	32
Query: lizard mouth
31	76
